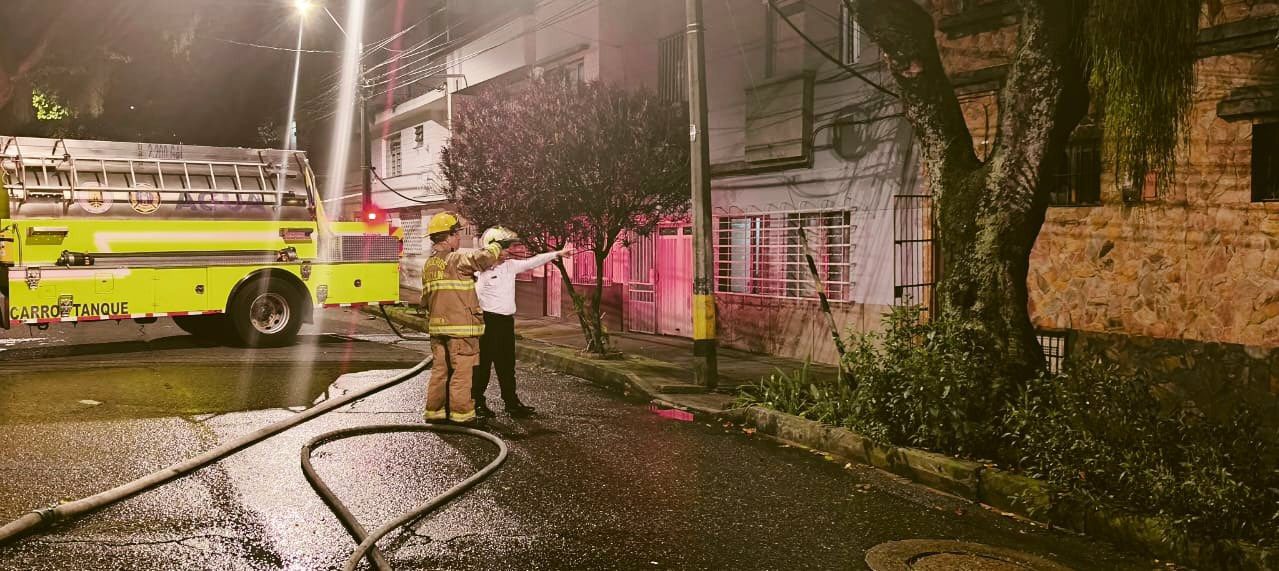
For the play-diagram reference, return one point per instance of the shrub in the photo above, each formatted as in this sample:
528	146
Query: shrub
798	393
1095	433
926	384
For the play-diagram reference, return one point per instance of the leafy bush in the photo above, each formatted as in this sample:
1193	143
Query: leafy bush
1095	433
1091	433
798	393
926	384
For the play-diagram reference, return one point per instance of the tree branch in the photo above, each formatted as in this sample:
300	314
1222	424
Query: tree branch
905	32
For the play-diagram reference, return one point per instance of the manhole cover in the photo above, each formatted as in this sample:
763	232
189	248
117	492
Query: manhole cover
938	555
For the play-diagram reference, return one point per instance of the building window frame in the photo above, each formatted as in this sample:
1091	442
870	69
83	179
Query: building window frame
419	134
1077	181
394	156
672	67
572	72
771	22
850	37
1056	347
760	254
1265	162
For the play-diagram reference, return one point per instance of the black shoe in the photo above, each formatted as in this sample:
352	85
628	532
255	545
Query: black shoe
483	411
519	410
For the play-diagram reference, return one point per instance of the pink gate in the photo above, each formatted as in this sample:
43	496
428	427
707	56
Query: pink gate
674	280
641	294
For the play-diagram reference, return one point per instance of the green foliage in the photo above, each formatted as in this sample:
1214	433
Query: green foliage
1142	56
924	384
1090	433
927	384
48	107
1097	434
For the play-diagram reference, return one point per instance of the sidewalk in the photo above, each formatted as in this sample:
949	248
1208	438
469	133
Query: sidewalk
654	367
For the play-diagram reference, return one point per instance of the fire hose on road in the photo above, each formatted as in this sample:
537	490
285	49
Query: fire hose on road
42	519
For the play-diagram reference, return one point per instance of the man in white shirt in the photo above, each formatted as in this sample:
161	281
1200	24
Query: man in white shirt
496	290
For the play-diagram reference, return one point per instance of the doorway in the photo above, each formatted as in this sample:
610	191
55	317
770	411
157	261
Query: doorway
674	280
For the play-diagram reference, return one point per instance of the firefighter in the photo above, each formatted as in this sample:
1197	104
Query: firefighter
456	320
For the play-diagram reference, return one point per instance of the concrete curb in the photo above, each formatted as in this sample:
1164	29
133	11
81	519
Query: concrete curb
1008	492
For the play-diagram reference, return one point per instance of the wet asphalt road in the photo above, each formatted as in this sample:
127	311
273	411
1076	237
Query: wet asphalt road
594	482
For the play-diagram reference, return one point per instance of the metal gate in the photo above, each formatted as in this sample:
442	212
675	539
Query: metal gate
641	292
914	266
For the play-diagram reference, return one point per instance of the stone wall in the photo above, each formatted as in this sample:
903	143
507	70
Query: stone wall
1185	284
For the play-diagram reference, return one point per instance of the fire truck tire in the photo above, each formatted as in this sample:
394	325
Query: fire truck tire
212	327
265	313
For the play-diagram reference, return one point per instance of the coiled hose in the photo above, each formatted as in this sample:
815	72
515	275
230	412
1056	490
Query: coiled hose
365	540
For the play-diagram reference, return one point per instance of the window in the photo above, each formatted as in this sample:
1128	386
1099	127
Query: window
762	254
850	37
572	72
394	159
419	135
1077	181
1054	346
779	121
1265	162
672	68
784	49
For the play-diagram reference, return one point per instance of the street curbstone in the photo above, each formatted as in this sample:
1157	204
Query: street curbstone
1012	493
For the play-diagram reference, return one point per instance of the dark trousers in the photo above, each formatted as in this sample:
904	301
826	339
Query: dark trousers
497	349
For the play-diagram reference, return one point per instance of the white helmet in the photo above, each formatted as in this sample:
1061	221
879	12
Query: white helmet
498	234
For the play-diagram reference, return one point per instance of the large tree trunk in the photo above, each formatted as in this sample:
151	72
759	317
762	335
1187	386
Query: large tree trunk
985	265
989	213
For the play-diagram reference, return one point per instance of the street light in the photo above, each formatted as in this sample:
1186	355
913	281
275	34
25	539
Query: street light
290	127
290	134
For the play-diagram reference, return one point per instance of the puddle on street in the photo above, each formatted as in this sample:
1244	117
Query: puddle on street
168	389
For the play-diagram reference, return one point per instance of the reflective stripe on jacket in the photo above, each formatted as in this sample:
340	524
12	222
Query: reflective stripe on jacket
448	291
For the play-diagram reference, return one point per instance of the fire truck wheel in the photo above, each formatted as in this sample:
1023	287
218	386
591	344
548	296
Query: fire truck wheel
265	313
213	327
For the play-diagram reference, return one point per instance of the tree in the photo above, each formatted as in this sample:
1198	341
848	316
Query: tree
570	164
1133	58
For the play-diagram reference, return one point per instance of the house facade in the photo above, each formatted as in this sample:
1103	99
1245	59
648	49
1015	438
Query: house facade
796	142
1182	283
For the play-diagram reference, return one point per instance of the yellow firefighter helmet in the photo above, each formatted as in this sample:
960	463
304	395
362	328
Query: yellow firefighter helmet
442	222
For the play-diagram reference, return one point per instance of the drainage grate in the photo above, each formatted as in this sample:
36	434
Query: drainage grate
939	555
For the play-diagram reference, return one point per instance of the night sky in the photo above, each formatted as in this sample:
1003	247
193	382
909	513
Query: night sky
173	71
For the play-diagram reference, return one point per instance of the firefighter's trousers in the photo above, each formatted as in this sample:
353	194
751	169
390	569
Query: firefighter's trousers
450	382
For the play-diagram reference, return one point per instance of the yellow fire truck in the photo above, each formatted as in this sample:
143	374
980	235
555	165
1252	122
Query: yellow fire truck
231	243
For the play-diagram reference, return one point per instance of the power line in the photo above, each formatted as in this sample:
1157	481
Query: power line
277	48
428	71
825	54
397	193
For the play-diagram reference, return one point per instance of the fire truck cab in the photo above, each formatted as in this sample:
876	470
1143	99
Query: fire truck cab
231	243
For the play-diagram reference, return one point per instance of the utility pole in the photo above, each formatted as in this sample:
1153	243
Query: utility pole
366	143
705	369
